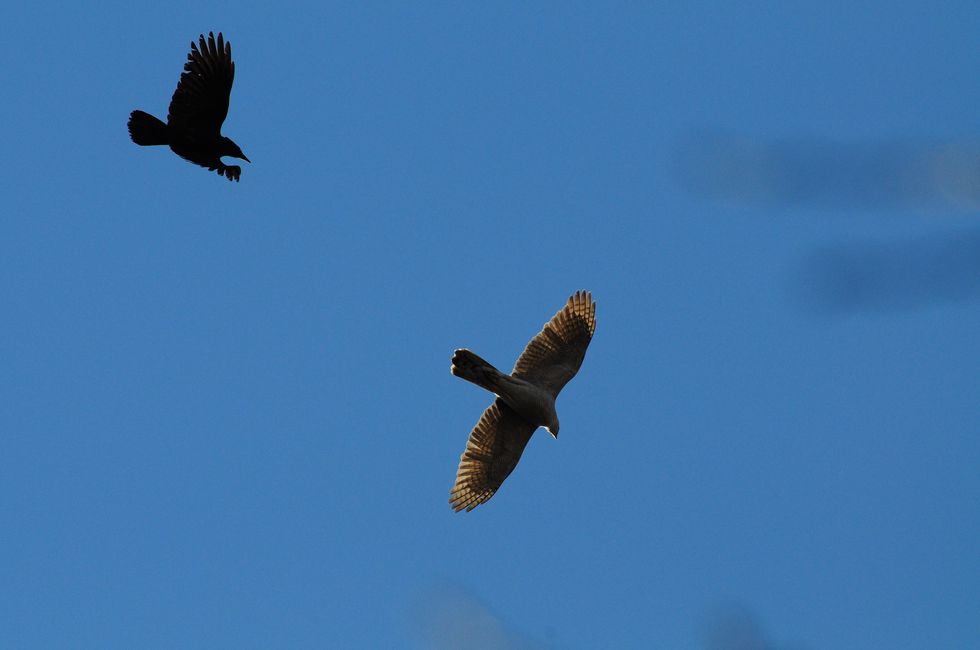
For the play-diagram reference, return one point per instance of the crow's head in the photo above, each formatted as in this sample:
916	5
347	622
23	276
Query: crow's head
229	148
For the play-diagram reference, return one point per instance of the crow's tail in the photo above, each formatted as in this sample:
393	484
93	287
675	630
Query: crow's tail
145	129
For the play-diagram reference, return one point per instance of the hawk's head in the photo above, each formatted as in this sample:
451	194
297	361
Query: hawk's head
552	426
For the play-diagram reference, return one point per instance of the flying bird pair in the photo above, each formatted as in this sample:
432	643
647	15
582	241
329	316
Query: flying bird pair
525	398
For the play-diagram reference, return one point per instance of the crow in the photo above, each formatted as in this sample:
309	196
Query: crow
197	110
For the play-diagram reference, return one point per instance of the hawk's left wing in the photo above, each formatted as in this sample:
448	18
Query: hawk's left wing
495	445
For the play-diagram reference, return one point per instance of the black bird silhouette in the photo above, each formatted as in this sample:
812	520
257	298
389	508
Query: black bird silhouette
197	110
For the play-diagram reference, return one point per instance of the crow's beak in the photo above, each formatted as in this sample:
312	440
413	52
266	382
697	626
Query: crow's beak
245	158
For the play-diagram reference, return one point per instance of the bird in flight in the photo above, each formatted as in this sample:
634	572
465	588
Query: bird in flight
525	400
197	110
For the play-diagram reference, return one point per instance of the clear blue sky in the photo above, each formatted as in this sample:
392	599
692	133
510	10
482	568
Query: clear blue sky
227	414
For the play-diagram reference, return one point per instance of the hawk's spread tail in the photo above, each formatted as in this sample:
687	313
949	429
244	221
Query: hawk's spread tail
470	367
145	129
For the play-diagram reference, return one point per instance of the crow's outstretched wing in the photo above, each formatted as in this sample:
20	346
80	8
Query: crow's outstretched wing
200	103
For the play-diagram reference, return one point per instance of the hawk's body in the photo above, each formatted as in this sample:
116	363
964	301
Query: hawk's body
197	110
532	403
525	400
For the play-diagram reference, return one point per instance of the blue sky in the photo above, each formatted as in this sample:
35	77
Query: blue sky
228	419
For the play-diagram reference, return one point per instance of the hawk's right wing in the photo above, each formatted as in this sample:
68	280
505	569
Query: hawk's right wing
200	102
495	445
553	357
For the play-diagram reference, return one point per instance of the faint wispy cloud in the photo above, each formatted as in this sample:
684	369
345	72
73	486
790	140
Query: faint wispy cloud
885	276
823	173
448	617
734	627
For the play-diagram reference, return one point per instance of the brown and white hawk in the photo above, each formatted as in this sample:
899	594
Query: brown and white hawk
525	399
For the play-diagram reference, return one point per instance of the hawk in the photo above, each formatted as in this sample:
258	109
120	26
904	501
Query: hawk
525	400
197	110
